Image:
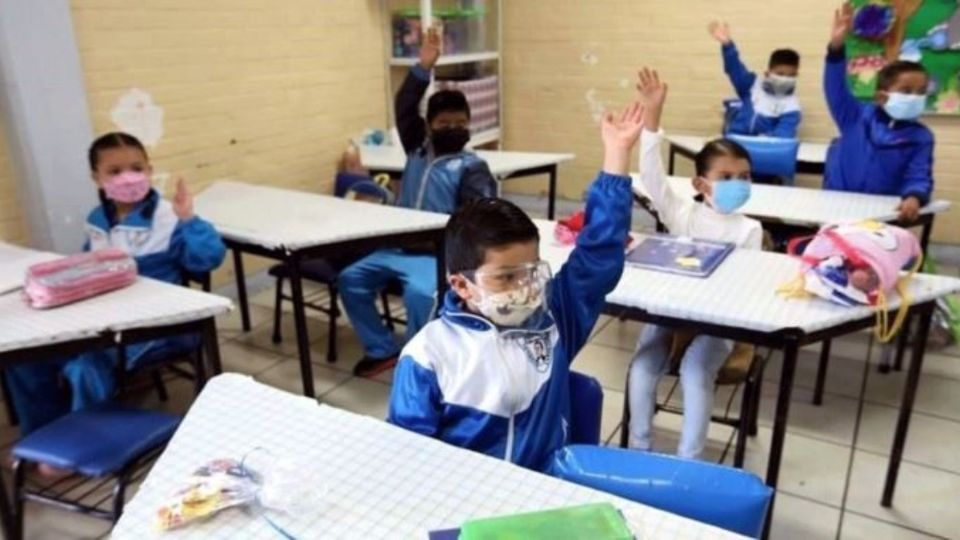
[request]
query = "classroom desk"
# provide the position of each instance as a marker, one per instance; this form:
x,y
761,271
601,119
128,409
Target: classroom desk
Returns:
x,y
146,310
811,156
292,226
14,261
503,165
738,301
376,480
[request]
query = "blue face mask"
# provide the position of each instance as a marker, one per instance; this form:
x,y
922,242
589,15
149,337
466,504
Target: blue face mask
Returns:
x,y
730,195
905,106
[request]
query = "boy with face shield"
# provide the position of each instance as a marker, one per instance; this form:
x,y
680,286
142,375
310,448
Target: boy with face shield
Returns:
x,y
492,374
439,176
769,104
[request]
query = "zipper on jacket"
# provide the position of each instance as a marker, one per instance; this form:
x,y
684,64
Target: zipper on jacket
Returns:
x,y
426,178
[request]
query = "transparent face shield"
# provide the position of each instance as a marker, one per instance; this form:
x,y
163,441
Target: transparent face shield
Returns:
x,y
510,296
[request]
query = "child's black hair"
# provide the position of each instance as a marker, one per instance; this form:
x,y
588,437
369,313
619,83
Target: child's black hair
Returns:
x,y
116,139
717,148
447,101
784,57
892,71
483,224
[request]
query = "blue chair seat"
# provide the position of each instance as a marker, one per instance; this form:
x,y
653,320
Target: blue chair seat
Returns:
x,y
97,442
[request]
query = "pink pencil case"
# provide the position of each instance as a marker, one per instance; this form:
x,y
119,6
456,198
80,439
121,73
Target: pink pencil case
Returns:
x,y
76,277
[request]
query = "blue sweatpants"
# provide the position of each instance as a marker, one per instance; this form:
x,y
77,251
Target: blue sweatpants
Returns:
x,y
360,285
40,396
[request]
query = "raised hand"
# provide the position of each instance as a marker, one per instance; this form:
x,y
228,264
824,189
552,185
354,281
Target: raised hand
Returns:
x,y
842,20
652,95
908,210
430,48
619,135
183,201
720,31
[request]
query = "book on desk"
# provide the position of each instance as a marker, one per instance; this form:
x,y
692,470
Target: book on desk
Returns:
x,y
679,255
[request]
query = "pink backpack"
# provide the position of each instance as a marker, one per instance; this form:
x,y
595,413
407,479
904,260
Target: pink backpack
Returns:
x,y
76,277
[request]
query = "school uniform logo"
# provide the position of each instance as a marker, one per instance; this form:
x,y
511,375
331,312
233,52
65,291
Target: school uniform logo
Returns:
x,y
538,351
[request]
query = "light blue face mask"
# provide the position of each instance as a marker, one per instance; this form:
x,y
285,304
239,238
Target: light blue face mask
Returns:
x,y
905,106
730,195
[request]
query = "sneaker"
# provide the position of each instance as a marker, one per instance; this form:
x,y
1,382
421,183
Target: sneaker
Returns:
x,y
371,367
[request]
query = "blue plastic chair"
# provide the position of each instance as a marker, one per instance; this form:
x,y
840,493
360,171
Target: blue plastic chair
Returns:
x,y
586,397
771,156
722,496
731,107
103,442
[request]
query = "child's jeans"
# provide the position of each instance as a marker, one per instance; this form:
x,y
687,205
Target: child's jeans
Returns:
x,y
698,373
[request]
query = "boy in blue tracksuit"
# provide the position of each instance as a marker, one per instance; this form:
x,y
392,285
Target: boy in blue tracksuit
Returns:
x,y
439,177
166,240
882,147
769,106
492,373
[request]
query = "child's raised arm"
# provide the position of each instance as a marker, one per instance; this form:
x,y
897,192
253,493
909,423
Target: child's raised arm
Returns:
x,y
844,108
740,77
653,95
412,128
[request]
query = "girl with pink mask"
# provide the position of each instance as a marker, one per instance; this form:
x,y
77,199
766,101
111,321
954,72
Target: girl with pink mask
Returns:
x,y
167,241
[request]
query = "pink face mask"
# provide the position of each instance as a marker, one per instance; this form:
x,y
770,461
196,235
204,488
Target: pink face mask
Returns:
x,y
127,187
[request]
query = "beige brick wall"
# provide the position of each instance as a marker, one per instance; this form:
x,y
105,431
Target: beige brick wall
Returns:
x,y
549,72
12,223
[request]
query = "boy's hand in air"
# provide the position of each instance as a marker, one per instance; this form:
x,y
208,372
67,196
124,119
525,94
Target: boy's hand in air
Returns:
x,y
619,135
908,210
430,49
652,95
842,20
720,31
183,201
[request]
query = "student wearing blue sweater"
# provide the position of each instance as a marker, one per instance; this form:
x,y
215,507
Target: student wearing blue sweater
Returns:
x,y
882,147
769,105
492,374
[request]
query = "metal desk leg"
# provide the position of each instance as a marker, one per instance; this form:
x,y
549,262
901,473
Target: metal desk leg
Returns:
x,y
441,272
925,233
822,372
300,320
790,350
241,289
672,157
7,523
211,346
906,406
552,202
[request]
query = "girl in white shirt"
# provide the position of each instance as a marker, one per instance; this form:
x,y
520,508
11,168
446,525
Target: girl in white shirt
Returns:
x,y
723,185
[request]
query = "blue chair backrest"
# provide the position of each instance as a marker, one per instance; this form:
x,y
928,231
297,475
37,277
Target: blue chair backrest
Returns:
x,y
731,107
771,156
586,409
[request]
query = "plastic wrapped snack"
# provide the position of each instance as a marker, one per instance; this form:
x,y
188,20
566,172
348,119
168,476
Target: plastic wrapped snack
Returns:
x,y
76,277
220,484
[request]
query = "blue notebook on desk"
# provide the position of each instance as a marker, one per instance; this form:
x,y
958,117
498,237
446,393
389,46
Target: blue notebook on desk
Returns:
x,y
679,255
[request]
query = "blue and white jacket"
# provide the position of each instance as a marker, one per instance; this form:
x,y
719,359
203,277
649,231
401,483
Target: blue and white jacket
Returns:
x,y
761,113
154,236
874,153
505,392
430,182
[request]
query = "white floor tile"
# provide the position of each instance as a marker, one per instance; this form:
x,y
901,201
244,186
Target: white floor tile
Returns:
x,y
930,441
857,527
795,518
286,375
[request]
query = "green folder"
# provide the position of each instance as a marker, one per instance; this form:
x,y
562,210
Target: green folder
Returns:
x,y
588,522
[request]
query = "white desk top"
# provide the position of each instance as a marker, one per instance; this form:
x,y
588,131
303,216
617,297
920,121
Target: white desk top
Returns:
x,y
809,152
806,206
740,293
274,217
144,304
379,481
14,261
392,158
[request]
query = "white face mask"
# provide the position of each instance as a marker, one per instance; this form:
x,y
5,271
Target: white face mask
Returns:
x,y
523,297
779,85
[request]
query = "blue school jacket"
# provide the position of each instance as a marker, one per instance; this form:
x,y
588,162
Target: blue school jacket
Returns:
x,y
762,113
154,236
874,153
505,392
430,182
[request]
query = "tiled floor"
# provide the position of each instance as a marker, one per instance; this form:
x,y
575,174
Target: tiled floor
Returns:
x,y
835,455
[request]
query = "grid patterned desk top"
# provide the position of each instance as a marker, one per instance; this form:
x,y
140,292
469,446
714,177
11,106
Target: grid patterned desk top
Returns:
x,y
379,481
740,293
806,206
274,217
809,152
144,304
501,163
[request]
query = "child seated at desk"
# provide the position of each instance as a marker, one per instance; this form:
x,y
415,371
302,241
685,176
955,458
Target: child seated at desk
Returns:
x,y
882,147
439,176
492,374
723,184
769,106
166,240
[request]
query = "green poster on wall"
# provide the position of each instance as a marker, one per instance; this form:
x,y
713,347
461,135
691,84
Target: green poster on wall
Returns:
x,y
925,31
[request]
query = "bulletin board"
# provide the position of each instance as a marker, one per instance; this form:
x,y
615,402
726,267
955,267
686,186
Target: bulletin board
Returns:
x,y
924,31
